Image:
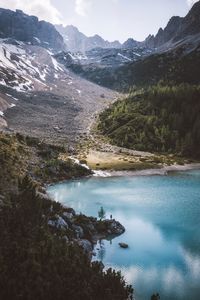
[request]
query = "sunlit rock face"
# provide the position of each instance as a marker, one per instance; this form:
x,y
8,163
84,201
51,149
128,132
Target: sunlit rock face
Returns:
x,y
77,41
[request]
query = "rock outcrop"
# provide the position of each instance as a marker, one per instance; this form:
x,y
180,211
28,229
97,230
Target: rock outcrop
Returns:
x,y
83,230
177,29
19,26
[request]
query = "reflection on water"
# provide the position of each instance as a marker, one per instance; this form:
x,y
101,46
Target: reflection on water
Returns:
x,y
161,217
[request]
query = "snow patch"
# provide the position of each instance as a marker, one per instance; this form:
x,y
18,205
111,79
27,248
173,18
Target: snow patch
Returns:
x,y
56,65
101,174
12,105
2,81
137,54
38,40
123,56
76,161
78,91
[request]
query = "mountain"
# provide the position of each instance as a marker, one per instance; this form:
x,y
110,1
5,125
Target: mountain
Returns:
x,y
177,29
77,41
19,26
177,58
101,57
130,44
41,75
161,118
41,97
176,66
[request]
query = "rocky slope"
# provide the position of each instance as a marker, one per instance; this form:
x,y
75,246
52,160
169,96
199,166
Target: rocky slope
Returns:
x,y
42,97
103,57
30,159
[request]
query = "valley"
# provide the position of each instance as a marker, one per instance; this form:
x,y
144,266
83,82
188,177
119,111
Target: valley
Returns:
x,y
107,129
51,102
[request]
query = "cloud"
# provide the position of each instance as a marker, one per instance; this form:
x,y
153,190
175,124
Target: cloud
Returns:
x,y
82,7
191,2
43,9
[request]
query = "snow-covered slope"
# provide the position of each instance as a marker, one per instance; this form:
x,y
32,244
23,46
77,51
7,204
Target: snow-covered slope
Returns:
x,y
109,57
39,96
23,67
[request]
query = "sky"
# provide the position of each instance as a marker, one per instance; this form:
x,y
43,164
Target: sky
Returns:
x,y
111,19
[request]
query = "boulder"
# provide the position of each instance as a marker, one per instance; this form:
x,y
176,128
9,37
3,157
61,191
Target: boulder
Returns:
x,y
43,196
59,223
79,231
66,238
86,245
2,199
114,227
123,245
68,215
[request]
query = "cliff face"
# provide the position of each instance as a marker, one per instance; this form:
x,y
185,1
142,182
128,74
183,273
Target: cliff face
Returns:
x,y
22,27
177,29
190,25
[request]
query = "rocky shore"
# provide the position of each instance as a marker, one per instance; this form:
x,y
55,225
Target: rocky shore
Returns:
x,y
81,229
165,170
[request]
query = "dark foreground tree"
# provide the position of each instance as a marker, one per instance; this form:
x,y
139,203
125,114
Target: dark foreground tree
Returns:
x,y
38,264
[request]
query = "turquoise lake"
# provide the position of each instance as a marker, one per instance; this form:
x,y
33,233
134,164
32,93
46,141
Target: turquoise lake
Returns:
x,y
161,215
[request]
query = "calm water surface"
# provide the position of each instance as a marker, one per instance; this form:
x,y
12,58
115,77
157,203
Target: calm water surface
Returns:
x,y
161,215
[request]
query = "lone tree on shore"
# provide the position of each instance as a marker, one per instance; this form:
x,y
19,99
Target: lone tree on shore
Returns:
x,y
101,213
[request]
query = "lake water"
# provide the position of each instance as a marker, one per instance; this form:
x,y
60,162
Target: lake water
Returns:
x,y
161,215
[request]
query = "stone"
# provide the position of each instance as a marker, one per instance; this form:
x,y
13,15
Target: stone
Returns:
x,y
86,245
79,231
115,227
70,210
43,196
123,245
59,223
66,238
68,215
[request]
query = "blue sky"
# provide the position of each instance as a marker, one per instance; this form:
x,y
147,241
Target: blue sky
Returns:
x,y
112,19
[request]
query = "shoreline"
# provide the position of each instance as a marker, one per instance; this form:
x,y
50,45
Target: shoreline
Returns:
x,y
148,172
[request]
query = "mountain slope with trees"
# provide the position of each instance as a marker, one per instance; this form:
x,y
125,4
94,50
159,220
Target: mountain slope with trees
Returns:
x,y
158,119
42,250
38,263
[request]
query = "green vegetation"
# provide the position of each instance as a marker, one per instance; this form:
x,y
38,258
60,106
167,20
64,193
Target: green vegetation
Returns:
x,y
39,259
174,66
20,155
160,118
177,66
101,213
36,262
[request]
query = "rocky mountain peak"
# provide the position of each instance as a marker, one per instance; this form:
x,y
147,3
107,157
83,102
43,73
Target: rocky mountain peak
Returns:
x,y
77,41
22,27
130,44
177,28
191,23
